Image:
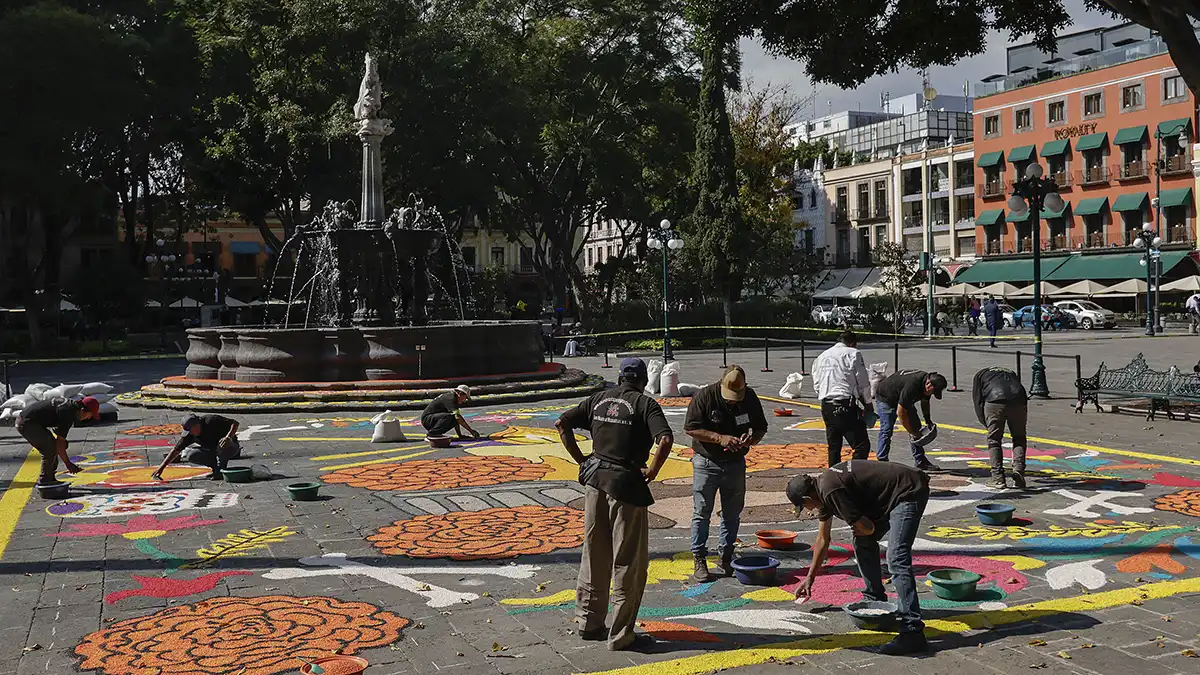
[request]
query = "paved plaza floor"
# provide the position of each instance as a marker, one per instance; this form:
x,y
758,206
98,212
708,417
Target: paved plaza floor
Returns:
x,y
464,559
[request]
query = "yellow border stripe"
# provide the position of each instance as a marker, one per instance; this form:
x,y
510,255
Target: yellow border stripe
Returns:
x,y
310,439
376,461
1037,439
351,455
17,496
715,661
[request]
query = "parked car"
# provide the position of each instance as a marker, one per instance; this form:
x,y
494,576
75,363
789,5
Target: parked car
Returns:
x,y
822,314
1025,314
1007,311
1088,314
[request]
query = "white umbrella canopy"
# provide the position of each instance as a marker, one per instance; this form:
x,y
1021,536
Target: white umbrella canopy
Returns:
x,y
67,306
956,290
184,303
153,303
1000,289
1127,287
865,292
1085,287
1189,284
839,292
1047,289
231,301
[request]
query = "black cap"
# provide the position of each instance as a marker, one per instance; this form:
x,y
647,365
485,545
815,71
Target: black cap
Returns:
x,y
798,487
189,421
634,369
939,384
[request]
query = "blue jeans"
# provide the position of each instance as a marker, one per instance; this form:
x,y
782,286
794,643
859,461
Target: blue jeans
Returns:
x,y
709,477
903,523
887,425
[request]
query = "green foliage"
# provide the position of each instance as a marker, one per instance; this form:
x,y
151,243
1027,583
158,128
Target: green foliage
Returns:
x,y
104,291
897,279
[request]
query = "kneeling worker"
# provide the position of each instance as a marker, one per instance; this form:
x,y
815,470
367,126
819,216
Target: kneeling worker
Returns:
x,y
216,440
45,425
876,499
1001,399
442,414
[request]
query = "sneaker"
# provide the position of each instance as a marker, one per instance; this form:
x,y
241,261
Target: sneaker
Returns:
x,y
598,635
1019,480
905,643
638,642
928,466
998,483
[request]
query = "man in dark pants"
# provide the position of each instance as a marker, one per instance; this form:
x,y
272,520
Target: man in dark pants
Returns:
x,y
875,499
442,414
896,399
1001,399
45,424
216,440
844,390
724,420
994,317
625,423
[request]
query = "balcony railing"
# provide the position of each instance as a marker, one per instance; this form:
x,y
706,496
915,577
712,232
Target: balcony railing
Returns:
x,y
1062,178
1094,175
881,212
1134,171
1058,242
990,247
993,188
1176,165
1177,234
840,215
862,213
1025,245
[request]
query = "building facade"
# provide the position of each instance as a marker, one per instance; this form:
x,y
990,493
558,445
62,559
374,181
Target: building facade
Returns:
x,y
936,209
860,205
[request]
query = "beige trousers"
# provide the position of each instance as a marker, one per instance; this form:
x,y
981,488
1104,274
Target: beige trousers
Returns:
x,y
616,540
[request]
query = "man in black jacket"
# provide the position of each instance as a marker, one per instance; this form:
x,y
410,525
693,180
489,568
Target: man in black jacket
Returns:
x,y
993,316
45,425
1001,399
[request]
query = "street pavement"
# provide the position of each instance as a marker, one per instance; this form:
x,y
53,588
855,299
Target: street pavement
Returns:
x,y
464,559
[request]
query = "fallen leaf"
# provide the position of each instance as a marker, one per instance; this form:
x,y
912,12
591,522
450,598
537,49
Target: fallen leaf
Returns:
x,y
1013,580
1064,655
1190,653
395,646
1166,618
1139,580
1161,645
489,620
539,588
1037,643
419,626
1087,645
458,653
497,647
445,613
32,648
1037,666
423,587
1160,637
486,594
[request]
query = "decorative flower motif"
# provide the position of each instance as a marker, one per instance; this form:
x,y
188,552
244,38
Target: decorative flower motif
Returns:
x,y
171,587
155,430
790,456
250,636
142,527
440,474
1186,502
484,535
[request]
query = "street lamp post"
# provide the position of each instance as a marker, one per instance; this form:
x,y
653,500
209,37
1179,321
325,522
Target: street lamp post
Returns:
x,y
1033,192
164,261
1149,240
1179,131
665,238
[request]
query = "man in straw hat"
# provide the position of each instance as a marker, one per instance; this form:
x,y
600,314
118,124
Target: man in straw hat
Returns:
x,y
442,413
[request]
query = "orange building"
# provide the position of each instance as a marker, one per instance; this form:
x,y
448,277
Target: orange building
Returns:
x,y
1114,126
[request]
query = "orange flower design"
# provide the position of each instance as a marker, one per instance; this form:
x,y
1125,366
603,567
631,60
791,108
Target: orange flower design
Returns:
x,y
440,474
489,534
251,636
790,456
1186,502
155,430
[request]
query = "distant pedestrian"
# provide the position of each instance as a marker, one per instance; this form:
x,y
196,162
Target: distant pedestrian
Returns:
x,y
946,323
1001,399
973,318
896,400
993,316
1193,312
844,390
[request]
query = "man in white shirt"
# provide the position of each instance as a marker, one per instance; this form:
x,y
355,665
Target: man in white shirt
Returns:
x,y
1193,312
840,377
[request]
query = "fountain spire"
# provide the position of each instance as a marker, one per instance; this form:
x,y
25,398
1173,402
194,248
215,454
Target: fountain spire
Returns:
x,y
371,129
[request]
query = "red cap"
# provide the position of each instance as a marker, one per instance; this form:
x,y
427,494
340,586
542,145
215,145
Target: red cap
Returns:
x,y
90,404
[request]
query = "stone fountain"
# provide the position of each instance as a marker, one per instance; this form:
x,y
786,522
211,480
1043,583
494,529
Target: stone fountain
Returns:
x,y
364,340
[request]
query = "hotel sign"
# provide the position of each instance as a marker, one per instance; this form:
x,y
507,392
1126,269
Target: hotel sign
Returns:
x,y
1075,131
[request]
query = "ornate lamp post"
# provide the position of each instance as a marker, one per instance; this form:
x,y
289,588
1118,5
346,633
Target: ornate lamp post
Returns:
x,y
664,238
1033,192
165,262
1149,240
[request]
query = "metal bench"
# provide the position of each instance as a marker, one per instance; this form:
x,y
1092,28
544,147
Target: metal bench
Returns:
x,y
1137,380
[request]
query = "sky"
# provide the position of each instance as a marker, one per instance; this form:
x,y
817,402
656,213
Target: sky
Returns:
x,y
764,69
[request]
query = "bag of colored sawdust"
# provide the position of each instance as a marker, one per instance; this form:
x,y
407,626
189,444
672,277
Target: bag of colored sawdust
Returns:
x,y
387,428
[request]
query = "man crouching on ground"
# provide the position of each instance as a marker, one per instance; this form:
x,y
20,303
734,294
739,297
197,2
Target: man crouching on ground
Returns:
x,y
874,498
624,423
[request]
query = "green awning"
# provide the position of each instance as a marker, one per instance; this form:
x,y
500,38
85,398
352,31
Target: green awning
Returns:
x,y
1110,266
1131,135
1091,207
990,159
1014,218
1177,197
1091,141
1046,213
990,217
1174,127
1135,201
1021,154
1013,271
1056,148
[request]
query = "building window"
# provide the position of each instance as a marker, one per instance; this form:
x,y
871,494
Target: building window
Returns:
x,y
1093,104
610,252
589,257
1133,97
812,197
245,265
468,256
1094,231
991,126
843,200
1133,164
1176,224
798,201
498,256
864,200
1056,112
828,123
992,181
1174,88
1023,119
1094,170
1057,168
881,209
526,254
880,234
808,241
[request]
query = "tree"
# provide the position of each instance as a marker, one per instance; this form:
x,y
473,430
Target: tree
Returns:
x,y
897,280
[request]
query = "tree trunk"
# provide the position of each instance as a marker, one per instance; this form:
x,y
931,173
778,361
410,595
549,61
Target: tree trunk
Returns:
x,y
727,306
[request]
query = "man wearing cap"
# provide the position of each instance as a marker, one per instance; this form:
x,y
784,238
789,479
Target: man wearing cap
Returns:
x,y
1000,399
442,414
840,376
724,419
896,398
875,499
625,424
215,438
45,425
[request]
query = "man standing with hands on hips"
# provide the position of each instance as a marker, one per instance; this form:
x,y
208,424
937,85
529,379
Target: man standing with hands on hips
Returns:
x,y
840,377
724,420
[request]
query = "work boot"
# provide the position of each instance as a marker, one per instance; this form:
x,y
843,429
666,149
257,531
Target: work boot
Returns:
x,y
928,466
905,643
726,569
998,483
1019,479
701,574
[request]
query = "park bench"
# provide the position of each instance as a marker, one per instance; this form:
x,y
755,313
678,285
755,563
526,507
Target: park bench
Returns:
x,y
1137,380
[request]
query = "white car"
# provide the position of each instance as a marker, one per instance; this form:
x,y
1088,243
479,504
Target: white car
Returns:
x,y
822,314
1088,314
1006,311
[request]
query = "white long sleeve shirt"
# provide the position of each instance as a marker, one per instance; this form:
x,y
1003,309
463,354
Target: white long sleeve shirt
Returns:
x,y
840,373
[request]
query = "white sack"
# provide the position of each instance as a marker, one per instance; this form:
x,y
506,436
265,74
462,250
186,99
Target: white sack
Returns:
x,y
686,389
93,388
669,379
387,428
18,402
37,390
64,391
792,387
876,372
654,370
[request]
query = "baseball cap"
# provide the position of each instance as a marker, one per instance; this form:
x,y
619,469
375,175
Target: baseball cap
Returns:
x,y
798,487
939,384
190,421
464,390
90,404
633,368
734,376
